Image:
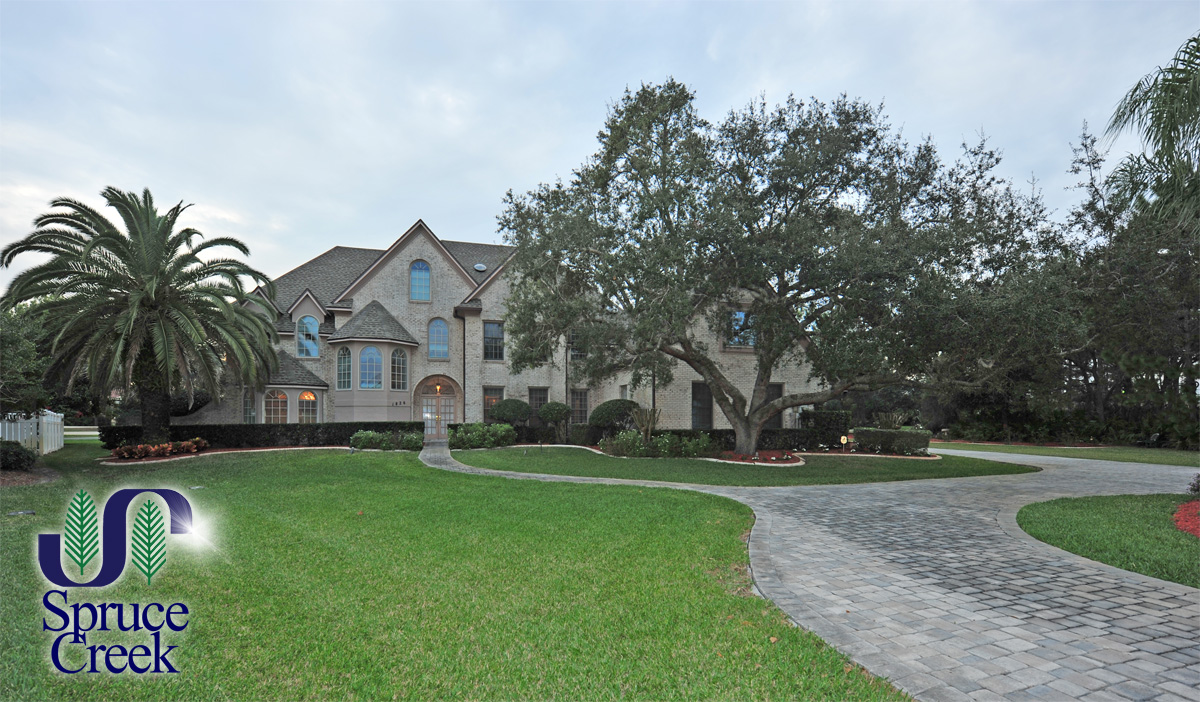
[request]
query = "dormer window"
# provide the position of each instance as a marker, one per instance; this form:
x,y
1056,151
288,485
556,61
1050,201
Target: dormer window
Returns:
x,y
418,281
306,337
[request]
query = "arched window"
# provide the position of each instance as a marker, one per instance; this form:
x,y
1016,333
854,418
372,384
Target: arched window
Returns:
x,y
306,337
439,339
275,407
399,370
308,407
418,281
370,369
343,369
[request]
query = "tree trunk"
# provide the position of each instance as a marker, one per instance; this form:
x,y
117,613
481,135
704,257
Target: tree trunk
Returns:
x,y
155,395
745,435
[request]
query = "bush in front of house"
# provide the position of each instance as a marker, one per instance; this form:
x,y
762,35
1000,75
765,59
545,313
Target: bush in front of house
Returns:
x,y
14,456
556,414
1194,488
900,442
613,416
261,435
479,435
629,443
385,441
170,448
511,411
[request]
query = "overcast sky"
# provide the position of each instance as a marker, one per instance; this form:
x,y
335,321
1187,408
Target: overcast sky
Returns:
x,y
300,126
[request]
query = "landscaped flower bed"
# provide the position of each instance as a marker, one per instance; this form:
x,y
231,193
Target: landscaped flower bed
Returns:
x,y
138,452
1187,518
772,457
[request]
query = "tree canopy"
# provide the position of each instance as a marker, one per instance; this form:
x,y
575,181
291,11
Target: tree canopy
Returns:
x,y
811,232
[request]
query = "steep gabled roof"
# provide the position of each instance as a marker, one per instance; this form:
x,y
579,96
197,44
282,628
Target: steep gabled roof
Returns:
x,y
376,323
325,276
293,372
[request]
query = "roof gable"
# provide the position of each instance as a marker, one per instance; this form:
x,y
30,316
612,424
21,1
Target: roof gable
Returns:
x,y
324,277
375,323
416,229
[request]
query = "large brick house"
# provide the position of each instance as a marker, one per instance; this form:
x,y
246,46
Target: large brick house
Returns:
x,y
416,332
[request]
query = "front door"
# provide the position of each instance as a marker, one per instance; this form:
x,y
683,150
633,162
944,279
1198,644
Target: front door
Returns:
x,y
437,411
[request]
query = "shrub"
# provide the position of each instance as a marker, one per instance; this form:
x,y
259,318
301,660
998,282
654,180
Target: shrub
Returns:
x,y
827,427
556,414
261,435
14,456
580,436
371,440
411,441
511,411
645,419
1194,488
613,416
624,443
478,435
697,446
665,445
894,441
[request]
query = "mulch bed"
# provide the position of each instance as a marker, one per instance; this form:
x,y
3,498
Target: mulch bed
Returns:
x,y
1187,518
774,458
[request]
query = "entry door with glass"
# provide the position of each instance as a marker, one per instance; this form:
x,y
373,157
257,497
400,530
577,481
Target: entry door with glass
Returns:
x,y
437,411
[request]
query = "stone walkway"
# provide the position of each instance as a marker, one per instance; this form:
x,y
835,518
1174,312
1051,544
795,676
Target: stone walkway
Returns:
x,y
932,584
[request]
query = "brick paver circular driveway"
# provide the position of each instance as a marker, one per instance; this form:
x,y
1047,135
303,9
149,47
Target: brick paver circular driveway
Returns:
x,y
931,584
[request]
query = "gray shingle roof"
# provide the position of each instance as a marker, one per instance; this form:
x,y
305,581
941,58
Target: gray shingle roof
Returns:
x,y
373,322
285,325
469,253
326,276
329,274
293,372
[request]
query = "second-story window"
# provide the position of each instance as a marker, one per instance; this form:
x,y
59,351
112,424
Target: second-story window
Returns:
x,y
493,341
306,337
439,339
370,369
742,336
418,281
578,352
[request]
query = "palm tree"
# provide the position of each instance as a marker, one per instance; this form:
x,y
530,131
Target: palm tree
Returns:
x,y
1164,108
142,309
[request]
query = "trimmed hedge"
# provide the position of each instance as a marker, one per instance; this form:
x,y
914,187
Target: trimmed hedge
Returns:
x,y
828,426
895,441
480,435
262,435
613,415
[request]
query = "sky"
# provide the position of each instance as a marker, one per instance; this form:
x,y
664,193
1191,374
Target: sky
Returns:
x,y
300,126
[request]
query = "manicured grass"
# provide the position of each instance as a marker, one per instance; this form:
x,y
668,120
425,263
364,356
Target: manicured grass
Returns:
x,y
1127,454
1134,532
447,585
818,470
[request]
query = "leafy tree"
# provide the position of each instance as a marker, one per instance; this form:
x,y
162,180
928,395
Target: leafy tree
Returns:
x,y
141,308
812,232
21,362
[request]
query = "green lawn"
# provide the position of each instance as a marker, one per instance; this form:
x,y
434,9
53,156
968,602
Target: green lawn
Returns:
x,y
1134,532
1128,454
819,470
447,585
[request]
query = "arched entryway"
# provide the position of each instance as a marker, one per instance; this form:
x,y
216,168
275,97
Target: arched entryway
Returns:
x,y
438,399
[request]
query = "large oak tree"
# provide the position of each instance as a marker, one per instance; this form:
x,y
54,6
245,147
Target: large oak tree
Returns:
x,y
834,241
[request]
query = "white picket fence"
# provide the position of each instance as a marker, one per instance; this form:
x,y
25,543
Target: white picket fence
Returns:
x,y
43,432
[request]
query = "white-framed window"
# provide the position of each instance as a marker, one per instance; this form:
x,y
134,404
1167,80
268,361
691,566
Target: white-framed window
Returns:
x,y
439,339
343,369
493,341
275,407
418,281
307,408
399,369
578,353
248,408
306,337
370,369
579,406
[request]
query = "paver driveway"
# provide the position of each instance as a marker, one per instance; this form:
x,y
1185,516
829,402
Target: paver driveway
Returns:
x,y
932,584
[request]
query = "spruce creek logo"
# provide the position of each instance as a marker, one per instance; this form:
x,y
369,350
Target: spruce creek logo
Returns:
x,y
81,542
